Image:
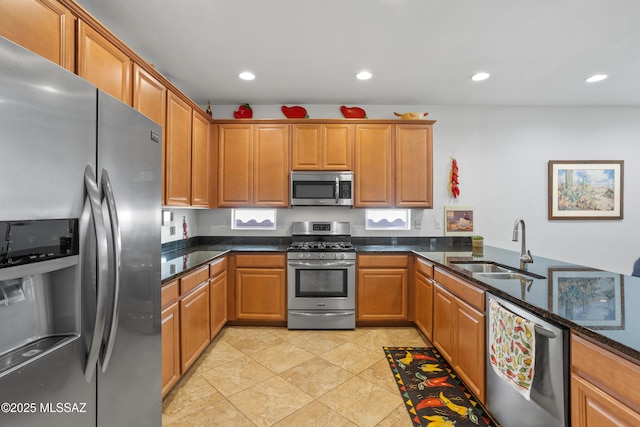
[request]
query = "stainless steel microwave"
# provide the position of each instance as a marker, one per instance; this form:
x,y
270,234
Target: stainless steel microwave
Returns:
x,y
322,188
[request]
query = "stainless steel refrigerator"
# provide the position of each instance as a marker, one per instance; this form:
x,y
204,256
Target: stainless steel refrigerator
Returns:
x,y
80,197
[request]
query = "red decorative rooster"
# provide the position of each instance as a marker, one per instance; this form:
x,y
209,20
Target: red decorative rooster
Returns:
x,y
454,189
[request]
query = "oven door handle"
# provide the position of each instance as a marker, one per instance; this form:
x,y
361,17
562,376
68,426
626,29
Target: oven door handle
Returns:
x,y
322,264
324,313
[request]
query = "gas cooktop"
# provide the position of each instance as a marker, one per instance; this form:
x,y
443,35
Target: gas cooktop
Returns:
x,y
318,246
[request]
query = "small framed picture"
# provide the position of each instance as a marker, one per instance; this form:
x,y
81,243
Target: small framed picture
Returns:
x,y
587,189
458,221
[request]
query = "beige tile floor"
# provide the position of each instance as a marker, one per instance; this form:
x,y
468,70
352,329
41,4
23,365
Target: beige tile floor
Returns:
x,y
261,376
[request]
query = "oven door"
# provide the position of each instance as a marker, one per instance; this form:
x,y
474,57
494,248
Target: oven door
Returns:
x,y
321,285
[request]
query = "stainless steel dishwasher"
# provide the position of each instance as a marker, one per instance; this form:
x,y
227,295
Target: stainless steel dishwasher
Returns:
x,y
549,404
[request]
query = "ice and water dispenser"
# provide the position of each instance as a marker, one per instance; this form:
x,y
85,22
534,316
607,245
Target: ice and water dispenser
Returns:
x,y
39,289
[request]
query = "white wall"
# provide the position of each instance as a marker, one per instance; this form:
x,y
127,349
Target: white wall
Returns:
x,y
503,154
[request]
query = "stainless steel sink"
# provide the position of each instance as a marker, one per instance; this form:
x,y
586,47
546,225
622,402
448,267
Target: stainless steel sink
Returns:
x,y
506,276
492,270
481,267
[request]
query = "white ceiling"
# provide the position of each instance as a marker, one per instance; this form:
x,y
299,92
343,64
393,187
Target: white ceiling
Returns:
x,y
421,52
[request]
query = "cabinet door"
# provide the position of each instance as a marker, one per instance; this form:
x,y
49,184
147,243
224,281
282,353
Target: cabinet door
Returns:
x,y
414,166
306,147
424,305
373,166
337,146
103,64
469,360
235,165
591,407
271,165
443,322
194,324
150,98
218,289
200,161
381,294
260,294
170,347
45,27
178,155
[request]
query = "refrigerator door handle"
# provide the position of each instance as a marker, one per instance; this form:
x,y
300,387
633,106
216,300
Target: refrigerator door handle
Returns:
x,y
93,194
117,254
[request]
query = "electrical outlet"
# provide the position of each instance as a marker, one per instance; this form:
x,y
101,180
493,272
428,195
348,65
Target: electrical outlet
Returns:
x,y
438,224
417,224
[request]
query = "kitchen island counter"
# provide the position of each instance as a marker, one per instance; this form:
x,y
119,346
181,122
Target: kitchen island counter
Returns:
x,y
606,315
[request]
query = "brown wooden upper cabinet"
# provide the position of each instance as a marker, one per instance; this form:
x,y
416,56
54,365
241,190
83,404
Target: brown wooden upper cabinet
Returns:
x,y
178,152
103,64
253,165
372,172
393,165
45,27
201,157
322,146
414,166
150,98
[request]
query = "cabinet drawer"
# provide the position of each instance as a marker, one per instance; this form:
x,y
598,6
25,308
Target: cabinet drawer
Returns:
x,y
463,290
424,267
217,267
260,260
193,279
609,372
169,293
382,261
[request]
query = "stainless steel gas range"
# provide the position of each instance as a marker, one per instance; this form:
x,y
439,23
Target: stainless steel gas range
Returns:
x,y
321,276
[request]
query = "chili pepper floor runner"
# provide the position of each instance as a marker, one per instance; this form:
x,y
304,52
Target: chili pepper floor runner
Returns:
x,y
432,391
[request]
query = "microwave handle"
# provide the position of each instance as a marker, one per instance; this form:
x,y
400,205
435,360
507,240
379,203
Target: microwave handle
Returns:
x,y
337,190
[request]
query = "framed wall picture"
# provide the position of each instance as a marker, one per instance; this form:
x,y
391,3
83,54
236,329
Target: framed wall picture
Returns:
x,y
591,298
586,189
458,221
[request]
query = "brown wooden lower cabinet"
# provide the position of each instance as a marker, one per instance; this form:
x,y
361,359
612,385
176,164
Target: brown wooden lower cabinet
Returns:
x,y
194,310
605,388
218,291
170,346
260,294
423,309
194,324
459,328
382,288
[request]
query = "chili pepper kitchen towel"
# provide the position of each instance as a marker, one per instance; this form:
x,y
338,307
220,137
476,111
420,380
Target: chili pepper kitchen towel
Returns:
x,y
512,347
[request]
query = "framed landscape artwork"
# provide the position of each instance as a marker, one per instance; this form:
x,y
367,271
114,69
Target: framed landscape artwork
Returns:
x,y
587,189
458,221
591,298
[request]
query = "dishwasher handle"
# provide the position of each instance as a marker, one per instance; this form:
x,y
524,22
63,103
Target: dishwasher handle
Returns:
x,y
545,332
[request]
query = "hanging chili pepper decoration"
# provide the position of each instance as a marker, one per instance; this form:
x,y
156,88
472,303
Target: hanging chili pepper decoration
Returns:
x,y
185,233
454,189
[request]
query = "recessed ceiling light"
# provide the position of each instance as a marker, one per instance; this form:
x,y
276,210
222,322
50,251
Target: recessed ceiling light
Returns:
x,y
596,78
364,75
246,75
478,77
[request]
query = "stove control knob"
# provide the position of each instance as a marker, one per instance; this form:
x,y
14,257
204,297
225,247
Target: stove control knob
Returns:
x,y
300,255
322,256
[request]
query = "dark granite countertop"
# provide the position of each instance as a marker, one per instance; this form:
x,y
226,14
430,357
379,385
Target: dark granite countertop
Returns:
x,y
602,310
605,313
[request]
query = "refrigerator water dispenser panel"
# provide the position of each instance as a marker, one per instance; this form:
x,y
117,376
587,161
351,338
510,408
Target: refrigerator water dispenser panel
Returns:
x,y
25,242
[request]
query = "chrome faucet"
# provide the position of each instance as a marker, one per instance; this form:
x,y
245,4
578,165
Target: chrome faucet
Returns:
x,y
525,255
